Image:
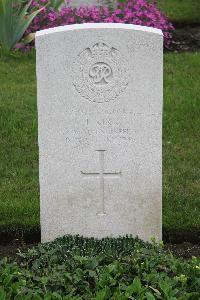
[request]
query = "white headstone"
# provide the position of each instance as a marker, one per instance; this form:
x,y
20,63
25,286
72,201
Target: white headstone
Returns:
x,y
78,3
100,130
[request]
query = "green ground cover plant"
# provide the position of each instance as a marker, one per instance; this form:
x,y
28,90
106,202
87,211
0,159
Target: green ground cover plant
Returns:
x,y
181,11
73,267
19,187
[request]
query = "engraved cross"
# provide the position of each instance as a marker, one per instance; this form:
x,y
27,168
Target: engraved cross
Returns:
x,y
102,175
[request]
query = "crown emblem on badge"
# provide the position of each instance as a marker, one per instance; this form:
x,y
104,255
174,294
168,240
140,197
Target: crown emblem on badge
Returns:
x,y
100,72
100,48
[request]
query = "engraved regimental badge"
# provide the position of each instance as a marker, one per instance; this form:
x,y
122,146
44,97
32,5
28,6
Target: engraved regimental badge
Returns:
x,y
100,73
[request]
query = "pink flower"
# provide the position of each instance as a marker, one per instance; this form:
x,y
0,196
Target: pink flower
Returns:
x,y
140,12
51,16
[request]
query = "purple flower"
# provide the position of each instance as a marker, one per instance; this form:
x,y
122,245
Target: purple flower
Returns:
x,y
139,12
52,16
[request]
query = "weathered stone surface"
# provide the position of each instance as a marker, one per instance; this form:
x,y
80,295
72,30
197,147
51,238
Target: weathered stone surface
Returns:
x,y
100,130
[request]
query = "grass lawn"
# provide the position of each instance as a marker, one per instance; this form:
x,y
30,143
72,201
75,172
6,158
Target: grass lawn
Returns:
x,y
181,142
19,193
186,11
19,197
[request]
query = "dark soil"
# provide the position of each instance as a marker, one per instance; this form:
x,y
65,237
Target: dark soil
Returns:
x,y
10,250
186,38
185,250
182,243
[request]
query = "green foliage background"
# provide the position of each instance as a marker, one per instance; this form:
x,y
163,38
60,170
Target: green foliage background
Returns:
x,y
181,11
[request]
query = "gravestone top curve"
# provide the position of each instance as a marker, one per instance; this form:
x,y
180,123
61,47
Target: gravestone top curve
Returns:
x,y
98,26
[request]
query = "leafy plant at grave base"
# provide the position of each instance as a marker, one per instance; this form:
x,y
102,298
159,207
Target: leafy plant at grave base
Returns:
x,y
73,267
14,20
139,12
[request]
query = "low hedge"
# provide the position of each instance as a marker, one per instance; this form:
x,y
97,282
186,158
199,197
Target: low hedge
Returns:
x,y
73,267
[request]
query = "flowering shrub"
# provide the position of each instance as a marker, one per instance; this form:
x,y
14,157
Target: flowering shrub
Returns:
x,y
138,12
